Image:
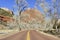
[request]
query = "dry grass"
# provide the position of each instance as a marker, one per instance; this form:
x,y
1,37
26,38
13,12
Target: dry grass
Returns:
x,y
6,33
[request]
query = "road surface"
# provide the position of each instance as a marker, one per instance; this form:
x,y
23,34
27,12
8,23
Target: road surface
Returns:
x,y
29,35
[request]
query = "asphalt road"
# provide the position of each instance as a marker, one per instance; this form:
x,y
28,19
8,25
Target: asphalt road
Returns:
x,y
34,35
29,35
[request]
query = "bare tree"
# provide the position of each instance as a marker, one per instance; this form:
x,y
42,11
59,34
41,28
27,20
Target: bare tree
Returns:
x,y
21,5
51,9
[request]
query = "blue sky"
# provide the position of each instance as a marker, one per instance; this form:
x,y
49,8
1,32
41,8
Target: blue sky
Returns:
x,y
7,4
10,3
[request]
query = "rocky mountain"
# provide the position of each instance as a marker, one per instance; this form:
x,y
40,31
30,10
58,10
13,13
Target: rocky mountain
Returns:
x,y
5,15
31,15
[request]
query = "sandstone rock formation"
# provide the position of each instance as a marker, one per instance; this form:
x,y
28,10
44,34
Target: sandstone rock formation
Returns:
x,y
31,15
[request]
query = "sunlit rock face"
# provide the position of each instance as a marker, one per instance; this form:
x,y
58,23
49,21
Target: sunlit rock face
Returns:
x,y
31,15
5,14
